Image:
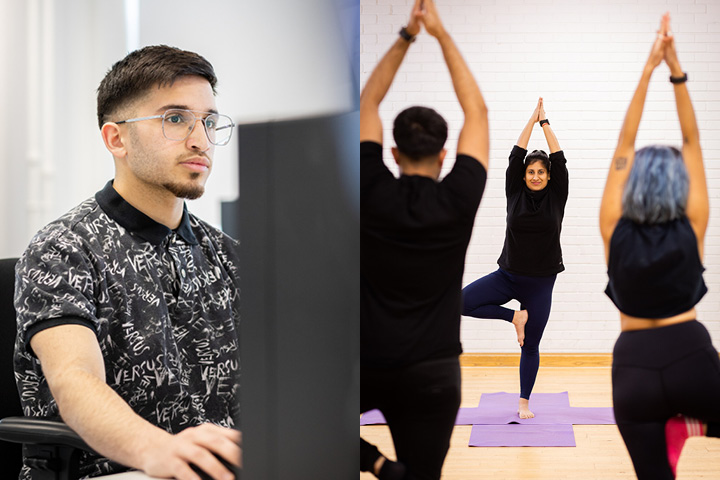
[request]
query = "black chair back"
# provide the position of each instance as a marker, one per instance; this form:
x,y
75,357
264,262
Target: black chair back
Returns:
x,y
10,453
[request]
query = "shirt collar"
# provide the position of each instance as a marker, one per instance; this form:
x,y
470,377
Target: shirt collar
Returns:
x,y
136,222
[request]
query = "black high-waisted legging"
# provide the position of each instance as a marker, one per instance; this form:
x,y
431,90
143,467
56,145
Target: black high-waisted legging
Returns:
x,y
657,374
483,299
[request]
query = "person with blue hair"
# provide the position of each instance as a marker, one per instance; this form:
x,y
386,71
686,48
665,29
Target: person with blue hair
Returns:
x,y
531,257
653,218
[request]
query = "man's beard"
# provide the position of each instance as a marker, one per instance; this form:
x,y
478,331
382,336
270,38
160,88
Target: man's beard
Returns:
x,y
190,192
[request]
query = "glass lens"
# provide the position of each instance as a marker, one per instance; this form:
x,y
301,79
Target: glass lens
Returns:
x,y
177,124
219,128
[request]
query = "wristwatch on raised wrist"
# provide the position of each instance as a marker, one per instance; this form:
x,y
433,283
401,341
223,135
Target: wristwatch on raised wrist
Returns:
x,y
406,35
677,80
544,121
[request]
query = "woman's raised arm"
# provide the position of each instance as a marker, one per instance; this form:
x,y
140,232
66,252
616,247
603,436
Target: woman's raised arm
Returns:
x,y
524,137
611,206
698,208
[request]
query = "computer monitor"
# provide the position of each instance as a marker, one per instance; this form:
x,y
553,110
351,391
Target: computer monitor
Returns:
x,y
298,224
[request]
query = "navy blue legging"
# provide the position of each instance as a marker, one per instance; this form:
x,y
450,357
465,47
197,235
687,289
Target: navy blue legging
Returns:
x,y
483,299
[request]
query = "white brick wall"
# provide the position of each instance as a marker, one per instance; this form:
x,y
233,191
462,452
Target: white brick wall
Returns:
x,y
584,58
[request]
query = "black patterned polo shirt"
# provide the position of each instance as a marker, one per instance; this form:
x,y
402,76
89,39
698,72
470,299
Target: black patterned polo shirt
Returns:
x,y
162,303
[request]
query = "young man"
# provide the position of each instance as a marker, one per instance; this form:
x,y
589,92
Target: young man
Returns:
x,y
127,305
414,235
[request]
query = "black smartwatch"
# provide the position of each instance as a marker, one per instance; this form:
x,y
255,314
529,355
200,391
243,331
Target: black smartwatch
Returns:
x,y
406,35
677,80
544,121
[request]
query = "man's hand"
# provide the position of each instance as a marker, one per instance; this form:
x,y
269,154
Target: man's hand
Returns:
x,y
413,26
171,456
75,370
430,18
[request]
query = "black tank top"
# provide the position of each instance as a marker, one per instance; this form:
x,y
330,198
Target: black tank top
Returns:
x,y
654,271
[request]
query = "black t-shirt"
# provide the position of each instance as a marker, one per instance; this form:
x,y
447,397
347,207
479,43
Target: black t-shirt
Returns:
x,y
534,219
654,271
414,233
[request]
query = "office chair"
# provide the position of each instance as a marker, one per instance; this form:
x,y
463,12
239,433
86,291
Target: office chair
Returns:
x,y
52,448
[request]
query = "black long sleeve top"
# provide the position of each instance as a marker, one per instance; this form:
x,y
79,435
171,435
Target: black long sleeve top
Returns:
x,y
534,219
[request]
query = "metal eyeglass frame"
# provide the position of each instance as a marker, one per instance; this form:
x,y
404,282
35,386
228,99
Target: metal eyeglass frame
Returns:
x,y
191,112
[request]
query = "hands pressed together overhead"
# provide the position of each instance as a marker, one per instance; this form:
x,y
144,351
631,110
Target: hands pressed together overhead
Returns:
x,y
424,13
664,47
539,112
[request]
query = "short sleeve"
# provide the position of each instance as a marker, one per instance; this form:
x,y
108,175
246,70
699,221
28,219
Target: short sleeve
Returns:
x,y
54,283
372,168
465,184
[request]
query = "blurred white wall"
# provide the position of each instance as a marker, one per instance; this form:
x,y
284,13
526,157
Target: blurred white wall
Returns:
x,y
585,59
274,60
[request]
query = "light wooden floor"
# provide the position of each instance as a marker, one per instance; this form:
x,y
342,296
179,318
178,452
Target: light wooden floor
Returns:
x,y
600,452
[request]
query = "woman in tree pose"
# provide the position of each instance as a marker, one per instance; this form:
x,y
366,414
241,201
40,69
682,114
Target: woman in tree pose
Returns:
x,y
653,218
531,257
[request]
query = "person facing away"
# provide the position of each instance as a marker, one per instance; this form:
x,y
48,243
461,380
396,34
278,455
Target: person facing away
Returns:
x,y
414,234
127,305
653,219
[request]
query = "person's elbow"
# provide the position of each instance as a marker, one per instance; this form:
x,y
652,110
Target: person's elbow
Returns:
x,y
369,101
477,112
691,138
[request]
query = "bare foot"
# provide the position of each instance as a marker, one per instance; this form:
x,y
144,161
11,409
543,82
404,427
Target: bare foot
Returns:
x,y
524,409
520,318
389,470
378,465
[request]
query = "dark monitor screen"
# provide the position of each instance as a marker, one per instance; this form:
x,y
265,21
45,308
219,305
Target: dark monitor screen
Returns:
x,y
298,225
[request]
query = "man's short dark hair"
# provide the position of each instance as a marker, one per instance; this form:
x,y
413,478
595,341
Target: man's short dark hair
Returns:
x,y
419,132
157,65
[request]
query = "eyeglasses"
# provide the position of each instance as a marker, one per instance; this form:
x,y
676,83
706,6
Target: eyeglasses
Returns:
x,y
178,123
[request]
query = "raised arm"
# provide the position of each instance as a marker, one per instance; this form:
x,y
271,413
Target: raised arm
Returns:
x,y
524,137
380,80
474,135
73,365
698,208
552,140
611,206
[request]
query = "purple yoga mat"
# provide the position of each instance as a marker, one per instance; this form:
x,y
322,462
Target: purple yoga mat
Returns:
x,y
549,409
522,436
501,409
372,417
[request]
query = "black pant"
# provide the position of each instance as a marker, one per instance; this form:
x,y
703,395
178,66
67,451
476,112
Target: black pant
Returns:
x,y
657,374
420,403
